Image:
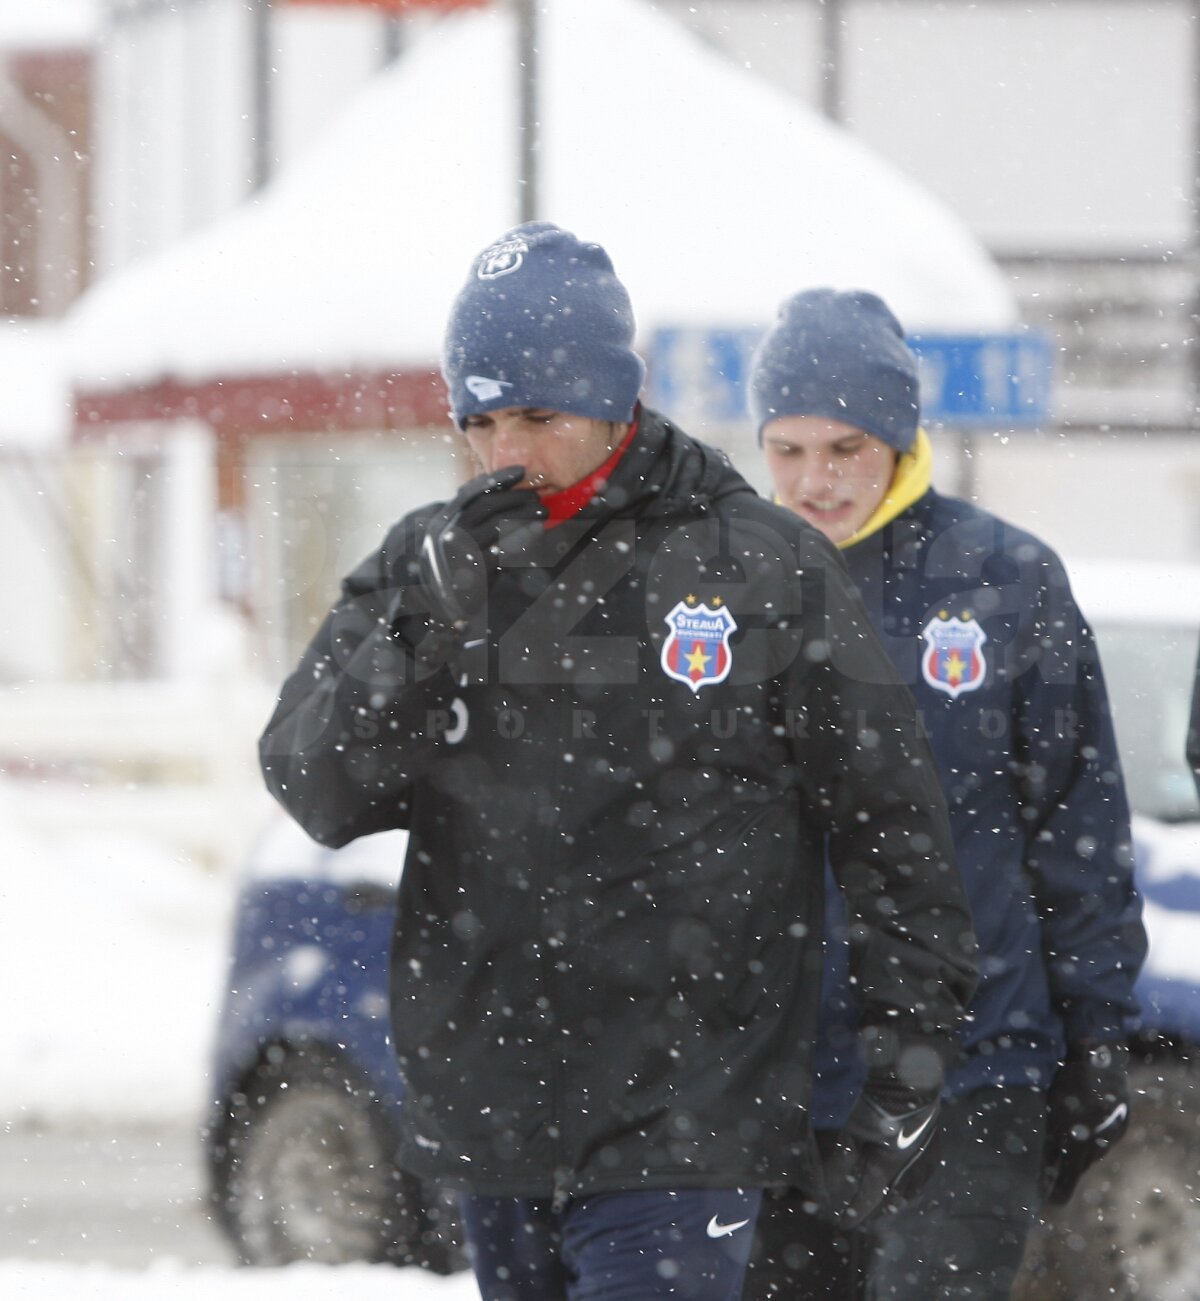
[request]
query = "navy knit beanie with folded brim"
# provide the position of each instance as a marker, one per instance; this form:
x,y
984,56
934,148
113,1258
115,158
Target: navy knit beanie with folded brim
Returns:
x,y
841,355
542,321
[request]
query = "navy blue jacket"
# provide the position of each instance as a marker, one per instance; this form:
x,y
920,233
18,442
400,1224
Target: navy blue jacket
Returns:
x,y
979,619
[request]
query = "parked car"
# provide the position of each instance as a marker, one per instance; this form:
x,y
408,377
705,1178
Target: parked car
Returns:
x,y
301,1142
1133,1227
301,1139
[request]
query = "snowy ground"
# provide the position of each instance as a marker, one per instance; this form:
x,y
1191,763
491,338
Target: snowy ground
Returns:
x,y
112,963
167,1282
112,960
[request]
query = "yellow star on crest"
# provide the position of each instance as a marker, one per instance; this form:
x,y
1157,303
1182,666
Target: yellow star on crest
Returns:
x,y
697,659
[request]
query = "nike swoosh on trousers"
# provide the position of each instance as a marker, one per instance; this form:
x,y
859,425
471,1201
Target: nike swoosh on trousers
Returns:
x,y
716,1230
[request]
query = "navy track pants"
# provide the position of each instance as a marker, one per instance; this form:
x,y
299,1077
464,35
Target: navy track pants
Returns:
x,y
691,1244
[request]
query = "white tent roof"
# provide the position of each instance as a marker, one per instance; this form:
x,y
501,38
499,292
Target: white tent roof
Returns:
x,y
48,24
716,195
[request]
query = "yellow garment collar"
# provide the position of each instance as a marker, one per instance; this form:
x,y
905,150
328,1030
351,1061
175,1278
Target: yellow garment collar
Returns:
x,y
910,481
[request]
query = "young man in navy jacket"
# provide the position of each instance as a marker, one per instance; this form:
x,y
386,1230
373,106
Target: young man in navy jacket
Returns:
x,y
625,708
979,620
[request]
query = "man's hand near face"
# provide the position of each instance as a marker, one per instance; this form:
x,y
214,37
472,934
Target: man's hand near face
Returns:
x,y
465,533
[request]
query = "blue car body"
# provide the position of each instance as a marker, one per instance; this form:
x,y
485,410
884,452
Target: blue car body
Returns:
x,y
309,964
1168,870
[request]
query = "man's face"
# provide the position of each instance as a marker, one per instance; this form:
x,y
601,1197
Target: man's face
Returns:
x,y
830,473
556,449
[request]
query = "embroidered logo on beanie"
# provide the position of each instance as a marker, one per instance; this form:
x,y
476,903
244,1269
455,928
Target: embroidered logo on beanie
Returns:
x,y
559,335
501,259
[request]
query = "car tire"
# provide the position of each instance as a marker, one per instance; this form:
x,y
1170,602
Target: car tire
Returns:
x,y
1131,1229
308,1174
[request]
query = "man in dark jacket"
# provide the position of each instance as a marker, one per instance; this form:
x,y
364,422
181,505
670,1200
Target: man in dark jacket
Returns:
x,y
625,709
978,618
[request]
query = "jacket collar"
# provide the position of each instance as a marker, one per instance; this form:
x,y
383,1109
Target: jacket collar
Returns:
x,y
664,472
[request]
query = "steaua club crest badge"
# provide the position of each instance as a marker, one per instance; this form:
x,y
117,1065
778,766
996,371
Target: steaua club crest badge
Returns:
x,y
953,661
697,651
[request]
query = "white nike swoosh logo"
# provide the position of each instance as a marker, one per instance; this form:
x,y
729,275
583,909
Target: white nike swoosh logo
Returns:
x,y
485,388
716,1230
1120,1111
905,1141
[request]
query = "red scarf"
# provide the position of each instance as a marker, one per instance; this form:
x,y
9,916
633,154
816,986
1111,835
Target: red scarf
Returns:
x,y
570,501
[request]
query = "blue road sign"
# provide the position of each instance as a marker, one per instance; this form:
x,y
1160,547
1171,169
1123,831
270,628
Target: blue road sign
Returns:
x,y
984,379
700,373
695,371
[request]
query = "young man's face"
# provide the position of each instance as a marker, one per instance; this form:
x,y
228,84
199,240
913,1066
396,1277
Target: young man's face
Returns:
x,y
556,449
830,473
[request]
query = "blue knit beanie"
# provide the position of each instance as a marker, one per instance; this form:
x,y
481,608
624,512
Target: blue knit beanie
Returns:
x,y
542,321
842,356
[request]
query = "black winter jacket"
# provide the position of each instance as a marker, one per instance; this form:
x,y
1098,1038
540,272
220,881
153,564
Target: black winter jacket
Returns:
x,y
606,965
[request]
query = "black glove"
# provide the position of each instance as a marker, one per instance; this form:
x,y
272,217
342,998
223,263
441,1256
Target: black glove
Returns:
x,y
885,1151
464,532
1087,1111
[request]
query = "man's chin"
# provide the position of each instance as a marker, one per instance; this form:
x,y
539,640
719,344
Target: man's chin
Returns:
x,y
834,530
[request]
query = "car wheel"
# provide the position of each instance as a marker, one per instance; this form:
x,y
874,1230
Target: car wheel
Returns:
x,y
1132,1226
309,1175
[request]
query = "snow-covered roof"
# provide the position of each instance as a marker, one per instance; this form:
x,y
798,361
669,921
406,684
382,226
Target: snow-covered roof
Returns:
x,y
48,25
716,194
